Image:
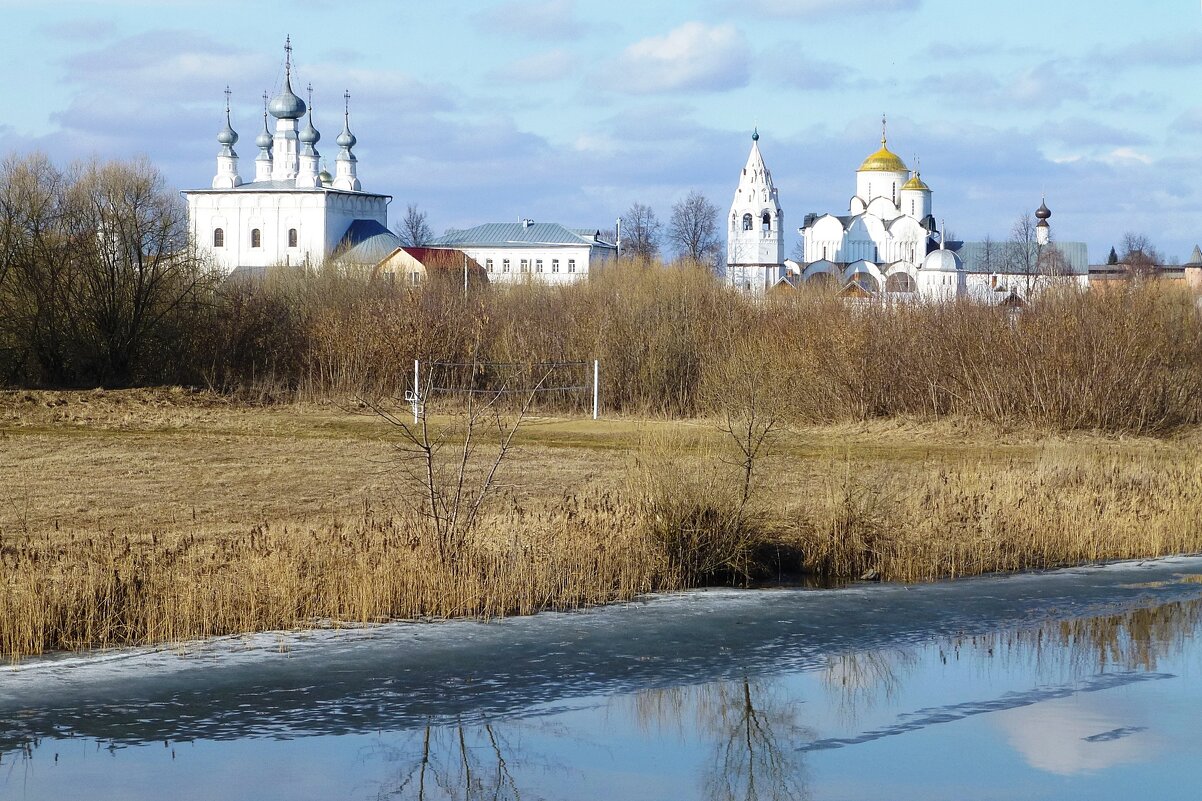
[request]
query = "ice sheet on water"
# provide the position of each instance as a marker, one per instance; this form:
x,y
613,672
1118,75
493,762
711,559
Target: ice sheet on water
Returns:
x,y
391,676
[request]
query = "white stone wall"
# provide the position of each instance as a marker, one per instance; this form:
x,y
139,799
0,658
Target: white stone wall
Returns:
x,y
321,218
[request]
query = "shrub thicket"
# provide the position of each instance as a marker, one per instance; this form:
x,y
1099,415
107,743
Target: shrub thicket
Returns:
x,y
131,306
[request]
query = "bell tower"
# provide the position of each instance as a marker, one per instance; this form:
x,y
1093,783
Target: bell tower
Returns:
x,y
755,249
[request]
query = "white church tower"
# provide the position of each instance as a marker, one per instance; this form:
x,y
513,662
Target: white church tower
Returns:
x,y
755,250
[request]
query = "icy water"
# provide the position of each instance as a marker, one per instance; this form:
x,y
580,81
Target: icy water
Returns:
x,y
1074,684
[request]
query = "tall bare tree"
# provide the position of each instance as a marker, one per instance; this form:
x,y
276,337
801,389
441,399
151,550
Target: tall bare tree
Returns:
x,y
413,229
1139,255
693,230
641,232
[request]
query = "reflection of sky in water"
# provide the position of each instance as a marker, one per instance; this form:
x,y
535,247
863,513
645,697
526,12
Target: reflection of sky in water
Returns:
x,y
1080,684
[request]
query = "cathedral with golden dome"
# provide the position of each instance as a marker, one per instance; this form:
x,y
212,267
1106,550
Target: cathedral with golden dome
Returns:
x,y
888,242
887,238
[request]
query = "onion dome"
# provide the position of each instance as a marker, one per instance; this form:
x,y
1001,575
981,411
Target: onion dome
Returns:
x,y
227,136
1043,212
309,135
264,140
286,105
884,160
755,135
346,139
325,177
916,184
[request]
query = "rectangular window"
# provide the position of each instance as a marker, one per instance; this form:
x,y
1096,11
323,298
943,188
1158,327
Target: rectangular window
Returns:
x,y
488,264
571,265
292,237
538,265
554,265
525,265
505,266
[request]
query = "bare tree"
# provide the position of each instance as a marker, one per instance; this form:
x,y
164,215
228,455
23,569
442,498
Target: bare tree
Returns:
x,y
990,257
413,229
138,265
1140,258
641,232
693,229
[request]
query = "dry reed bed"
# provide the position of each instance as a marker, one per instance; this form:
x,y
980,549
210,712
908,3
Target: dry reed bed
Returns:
x,y
676,525
967,519
76,591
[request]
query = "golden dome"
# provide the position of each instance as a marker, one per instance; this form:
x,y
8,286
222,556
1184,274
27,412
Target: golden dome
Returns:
x,y
916,183
884,160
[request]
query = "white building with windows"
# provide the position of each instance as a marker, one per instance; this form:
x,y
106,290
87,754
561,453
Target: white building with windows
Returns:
x,y
292,212
755,248
545,253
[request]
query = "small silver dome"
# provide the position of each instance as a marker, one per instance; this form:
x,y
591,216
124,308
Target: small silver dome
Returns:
x,y
228,136
265,139
346,139
309,136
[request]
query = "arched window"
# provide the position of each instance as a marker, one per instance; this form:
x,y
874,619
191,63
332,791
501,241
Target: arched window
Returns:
x,y
292,237
767,221
746,222
256,238
219,237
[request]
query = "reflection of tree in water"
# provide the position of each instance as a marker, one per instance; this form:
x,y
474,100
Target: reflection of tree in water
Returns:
x,y
754,729
454,763
1135,640
861,679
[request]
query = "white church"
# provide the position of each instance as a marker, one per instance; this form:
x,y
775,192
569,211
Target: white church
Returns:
x,y
888,244
291,212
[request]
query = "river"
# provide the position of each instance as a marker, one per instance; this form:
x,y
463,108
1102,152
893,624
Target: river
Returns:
x,y
1080,683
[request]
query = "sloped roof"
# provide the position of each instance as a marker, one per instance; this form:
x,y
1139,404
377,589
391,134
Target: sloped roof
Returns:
x,y
516,235
442,258
1075,255
367,242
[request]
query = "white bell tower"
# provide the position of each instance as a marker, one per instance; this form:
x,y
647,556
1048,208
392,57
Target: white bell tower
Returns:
x,y
755,249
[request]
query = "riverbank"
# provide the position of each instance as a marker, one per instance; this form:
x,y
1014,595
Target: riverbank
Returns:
x,y
163,515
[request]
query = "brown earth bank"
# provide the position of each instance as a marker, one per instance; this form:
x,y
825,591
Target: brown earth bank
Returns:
x,y
143,516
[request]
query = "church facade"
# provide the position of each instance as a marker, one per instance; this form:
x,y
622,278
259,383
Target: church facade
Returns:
x,y
292,212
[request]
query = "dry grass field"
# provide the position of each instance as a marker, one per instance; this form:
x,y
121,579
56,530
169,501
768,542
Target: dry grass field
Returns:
x,y
160,515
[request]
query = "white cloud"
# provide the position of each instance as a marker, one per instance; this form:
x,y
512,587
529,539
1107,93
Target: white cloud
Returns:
x,y
1070,736
693,56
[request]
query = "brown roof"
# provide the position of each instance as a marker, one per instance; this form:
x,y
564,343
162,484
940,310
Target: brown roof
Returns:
x,y
443,259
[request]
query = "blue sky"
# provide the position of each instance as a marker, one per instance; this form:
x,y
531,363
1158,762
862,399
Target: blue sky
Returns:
x,y
570,110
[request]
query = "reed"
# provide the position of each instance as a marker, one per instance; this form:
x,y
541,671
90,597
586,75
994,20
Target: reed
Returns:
x,y
949,520
75,590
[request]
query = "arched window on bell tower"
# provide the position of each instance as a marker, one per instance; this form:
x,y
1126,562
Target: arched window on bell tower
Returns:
x,y
767,222
219,237
746,222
